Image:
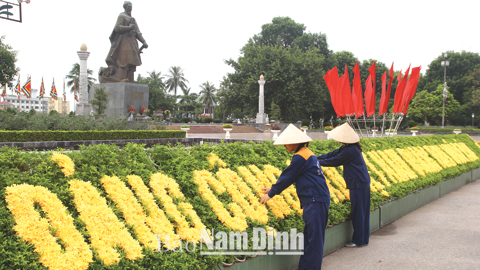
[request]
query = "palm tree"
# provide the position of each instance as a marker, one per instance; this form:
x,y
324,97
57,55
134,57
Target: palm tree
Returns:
x,y
175,79
188,100
207,95
74,76
155,80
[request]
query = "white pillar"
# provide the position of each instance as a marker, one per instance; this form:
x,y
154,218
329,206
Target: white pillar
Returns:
x,y
83,107
261,111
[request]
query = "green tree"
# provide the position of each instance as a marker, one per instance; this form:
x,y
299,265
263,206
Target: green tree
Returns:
x,y
207,95
100,100
285,32
293,63
294,81
175,79
158,99
74,75
472,89
188,102
8,58
428,106
461,64
274,112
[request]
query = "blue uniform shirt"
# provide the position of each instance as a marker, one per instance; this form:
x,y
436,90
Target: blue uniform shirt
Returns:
x,y
355,171
305,171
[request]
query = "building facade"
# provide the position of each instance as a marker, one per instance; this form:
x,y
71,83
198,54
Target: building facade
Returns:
x,y
26,104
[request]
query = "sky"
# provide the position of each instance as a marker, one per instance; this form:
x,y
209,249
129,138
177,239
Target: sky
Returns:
x,y
199,36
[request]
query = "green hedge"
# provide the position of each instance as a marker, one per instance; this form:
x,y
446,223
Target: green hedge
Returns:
x,y
38,136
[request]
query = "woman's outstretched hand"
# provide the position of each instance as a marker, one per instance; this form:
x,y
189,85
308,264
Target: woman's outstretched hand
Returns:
x,y
266,197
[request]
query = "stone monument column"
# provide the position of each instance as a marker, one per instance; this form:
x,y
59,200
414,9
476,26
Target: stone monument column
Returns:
x,y
83,107
261,112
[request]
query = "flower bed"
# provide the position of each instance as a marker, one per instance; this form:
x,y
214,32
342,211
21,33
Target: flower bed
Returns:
x,y
103,206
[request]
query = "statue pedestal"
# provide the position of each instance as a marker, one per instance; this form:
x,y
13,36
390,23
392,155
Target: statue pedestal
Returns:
x,y
83,109
261,118
122,95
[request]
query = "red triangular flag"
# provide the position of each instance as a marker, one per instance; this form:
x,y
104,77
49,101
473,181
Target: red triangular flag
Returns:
x,y
389,90
411,87
372,71
357,92
382,108
398,105
370,96
331,79
347,94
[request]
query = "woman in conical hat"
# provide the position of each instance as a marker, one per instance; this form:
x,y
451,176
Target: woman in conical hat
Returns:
x,y
312,190
356,177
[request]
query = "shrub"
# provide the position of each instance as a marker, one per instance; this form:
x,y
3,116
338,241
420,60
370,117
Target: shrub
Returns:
x,y
227,126
328,128
185,126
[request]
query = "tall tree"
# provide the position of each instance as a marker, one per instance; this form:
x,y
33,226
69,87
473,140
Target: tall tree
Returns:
x,y
293,63
175,79
188,101
207,95
461,64
74,76
157,96
8,70
428,107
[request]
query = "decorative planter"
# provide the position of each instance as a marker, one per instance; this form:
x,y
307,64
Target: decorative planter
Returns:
x,y
326,132
305,130
186,131
374,131
414,132
275,134
227,135
457,131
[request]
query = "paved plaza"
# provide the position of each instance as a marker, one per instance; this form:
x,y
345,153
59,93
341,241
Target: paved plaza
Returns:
x,y
444,234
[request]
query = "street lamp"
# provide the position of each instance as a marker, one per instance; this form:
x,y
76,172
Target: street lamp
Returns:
x,y
445,64
473,117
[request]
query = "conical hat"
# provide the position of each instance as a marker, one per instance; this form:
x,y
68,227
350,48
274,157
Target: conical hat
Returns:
x,y
292,135
344,134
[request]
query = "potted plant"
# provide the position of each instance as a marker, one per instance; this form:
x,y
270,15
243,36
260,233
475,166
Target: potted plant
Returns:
x,y
227,128
374,130
142,110
185,128
131,109
275,130
414,130
457,131
304,128
390,132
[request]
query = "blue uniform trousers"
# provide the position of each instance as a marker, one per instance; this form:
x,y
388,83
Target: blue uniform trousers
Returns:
x,y
360,199
315,216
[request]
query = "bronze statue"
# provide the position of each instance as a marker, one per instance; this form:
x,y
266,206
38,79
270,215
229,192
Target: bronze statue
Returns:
x,y
124,55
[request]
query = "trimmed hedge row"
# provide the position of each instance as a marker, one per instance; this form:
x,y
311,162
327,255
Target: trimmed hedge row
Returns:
x,y
77,135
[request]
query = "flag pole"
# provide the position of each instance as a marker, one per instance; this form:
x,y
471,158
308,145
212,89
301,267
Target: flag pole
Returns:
x,y
383,124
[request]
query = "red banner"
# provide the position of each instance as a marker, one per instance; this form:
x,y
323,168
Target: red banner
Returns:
x,y
357,92
411,87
